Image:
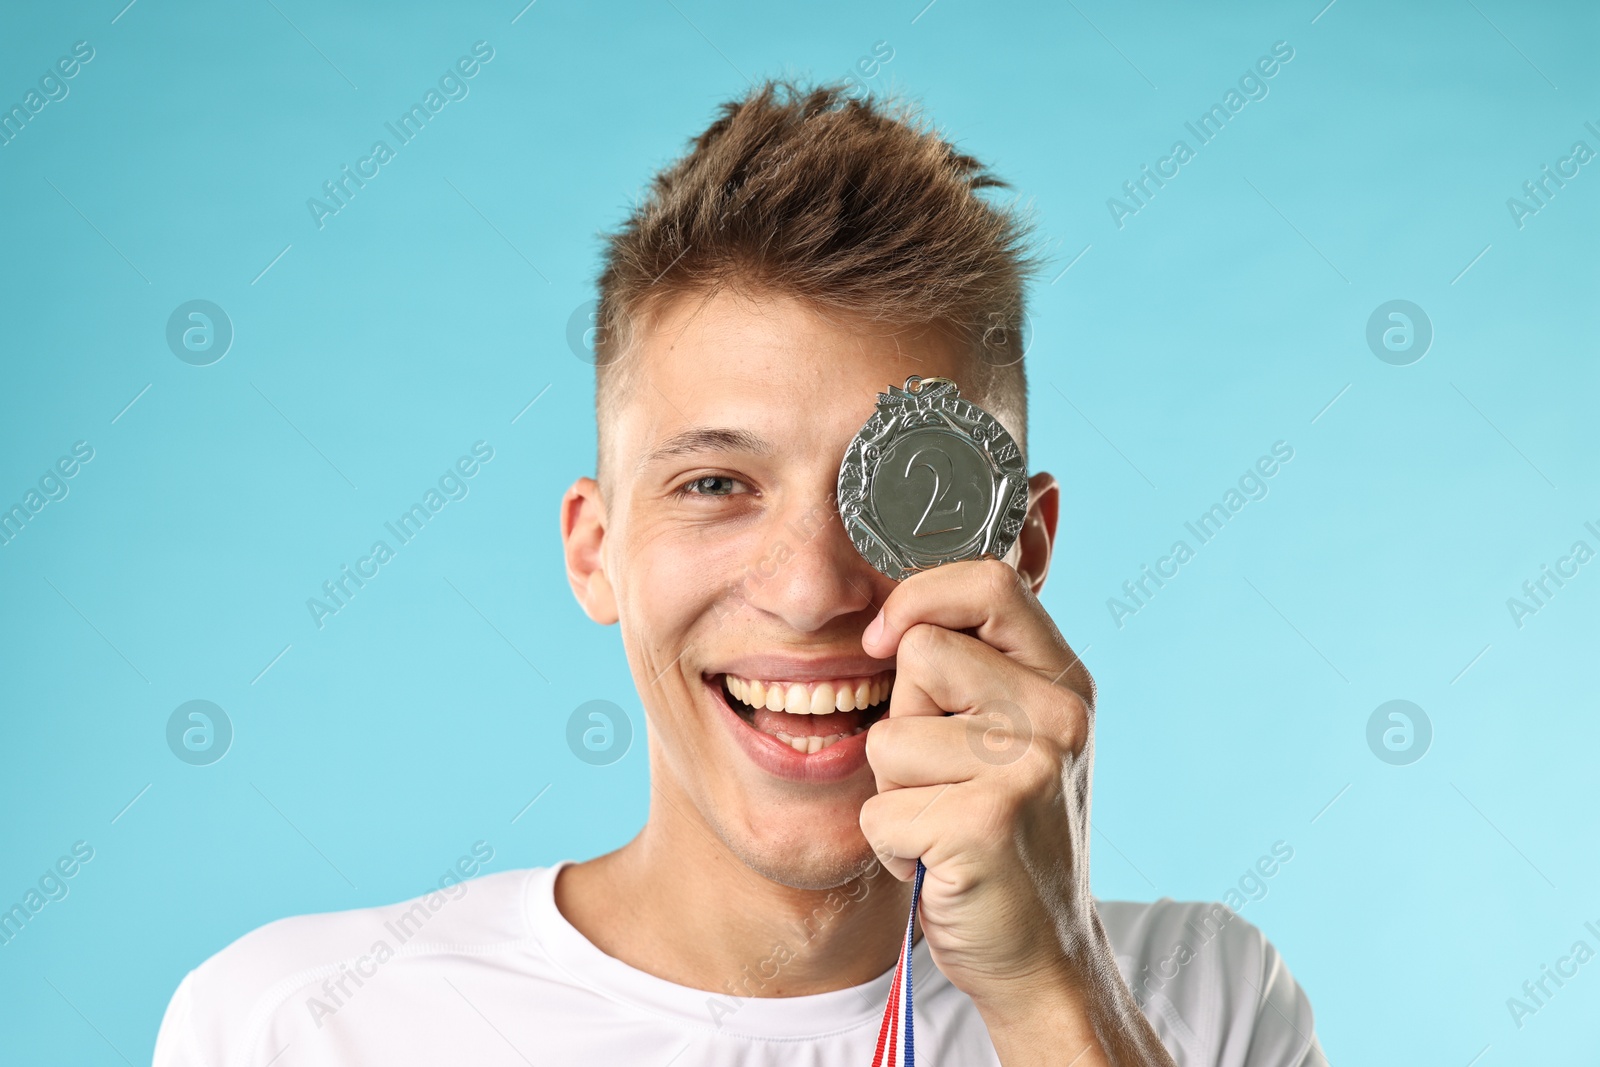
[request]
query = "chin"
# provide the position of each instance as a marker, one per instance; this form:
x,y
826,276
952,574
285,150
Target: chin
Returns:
x,y
804,843
816,868
779,768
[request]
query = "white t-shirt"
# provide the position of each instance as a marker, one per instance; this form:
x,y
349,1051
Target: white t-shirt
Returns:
x,y
494,974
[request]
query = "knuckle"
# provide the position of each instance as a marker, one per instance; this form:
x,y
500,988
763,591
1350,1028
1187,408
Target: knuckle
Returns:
x,y
878,740
891,611
1039,767
1072,702
1076,678
1087,692
924,639
883,849
1000,581
1077,720
868,819
1075,693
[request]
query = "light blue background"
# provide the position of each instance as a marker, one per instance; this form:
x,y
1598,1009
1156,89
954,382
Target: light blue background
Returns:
x,y
1224,316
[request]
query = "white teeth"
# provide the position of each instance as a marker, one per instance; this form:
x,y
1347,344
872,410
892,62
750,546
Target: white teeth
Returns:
x,y
817,698
811,745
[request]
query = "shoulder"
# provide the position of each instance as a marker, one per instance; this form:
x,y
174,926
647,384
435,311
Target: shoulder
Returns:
x,y
1211,983
223,1006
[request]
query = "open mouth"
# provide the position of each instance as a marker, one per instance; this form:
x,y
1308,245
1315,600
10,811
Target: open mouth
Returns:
x,y
808,716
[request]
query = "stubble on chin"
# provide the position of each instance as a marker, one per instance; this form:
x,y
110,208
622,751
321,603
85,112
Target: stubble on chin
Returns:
x,y
813,868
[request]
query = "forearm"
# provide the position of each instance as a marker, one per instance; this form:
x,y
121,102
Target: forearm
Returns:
x,y
1085,1017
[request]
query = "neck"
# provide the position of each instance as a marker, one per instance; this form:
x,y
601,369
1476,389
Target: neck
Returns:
x,y
676,903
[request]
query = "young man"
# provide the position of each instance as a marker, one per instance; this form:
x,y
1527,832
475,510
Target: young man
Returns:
x,y
814,727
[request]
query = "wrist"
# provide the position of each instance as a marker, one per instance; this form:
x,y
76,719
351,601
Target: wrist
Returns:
x,y
1047,1017
1076,1012
1054,1031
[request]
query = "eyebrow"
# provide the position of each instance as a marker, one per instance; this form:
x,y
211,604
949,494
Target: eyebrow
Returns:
x,y
706,439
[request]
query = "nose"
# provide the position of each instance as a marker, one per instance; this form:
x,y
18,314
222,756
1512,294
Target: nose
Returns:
x,y
816,575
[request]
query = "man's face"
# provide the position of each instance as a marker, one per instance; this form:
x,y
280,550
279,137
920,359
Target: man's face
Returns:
x,y
721,554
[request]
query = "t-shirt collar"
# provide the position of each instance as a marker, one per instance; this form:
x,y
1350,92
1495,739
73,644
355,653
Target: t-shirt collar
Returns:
x,y
806,1017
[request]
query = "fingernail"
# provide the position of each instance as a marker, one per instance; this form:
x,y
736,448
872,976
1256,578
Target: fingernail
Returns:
x,y
874,630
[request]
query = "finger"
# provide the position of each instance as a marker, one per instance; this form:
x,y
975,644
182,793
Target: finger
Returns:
x,y
997,709
906,825
988,598
940,671
920,751
916,752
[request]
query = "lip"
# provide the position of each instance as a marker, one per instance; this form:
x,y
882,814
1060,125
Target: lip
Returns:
x,y
803,668
838,761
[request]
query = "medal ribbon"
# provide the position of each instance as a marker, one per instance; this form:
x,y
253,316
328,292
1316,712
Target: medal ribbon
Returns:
x,y
895,1047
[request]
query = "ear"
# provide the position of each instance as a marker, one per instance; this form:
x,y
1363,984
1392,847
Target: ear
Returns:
x,y
1038,536
583,532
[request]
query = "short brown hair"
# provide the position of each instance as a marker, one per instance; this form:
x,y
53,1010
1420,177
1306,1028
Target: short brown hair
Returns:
x,y
851,205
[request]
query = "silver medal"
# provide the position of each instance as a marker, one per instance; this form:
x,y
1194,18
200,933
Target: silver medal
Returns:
x,y
931,479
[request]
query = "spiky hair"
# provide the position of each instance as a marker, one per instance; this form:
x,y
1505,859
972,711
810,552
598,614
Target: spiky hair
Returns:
x,y
852,205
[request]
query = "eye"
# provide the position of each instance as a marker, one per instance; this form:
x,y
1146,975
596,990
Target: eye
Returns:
x,y
709,485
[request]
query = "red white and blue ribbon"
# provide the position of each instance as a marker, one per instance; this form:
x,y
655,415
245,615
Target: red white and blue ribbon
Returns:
x,y
895,1045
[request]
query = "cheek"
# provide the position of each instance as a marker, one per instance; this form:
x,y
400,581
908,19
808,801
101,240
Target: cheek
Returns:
x,y
680,553
676,580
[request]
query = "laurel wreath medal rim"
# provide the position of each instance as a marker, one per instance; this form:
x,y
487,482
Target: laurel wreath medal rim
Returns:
x,y
904,409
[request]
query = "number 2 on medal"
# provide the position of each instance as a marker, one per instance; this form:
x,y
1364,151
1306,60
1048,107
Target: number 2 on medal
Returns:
x,y
941,489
